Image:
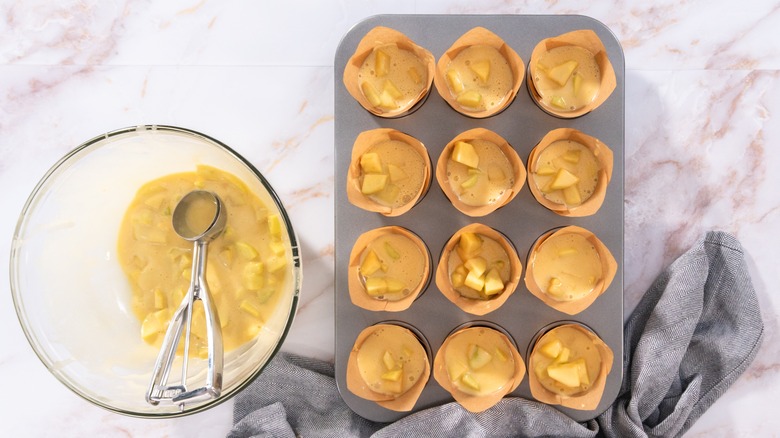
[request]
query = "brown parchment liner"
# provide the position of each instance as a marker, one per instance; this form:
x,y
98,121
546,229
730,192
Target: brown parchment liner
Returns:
x,y
603,154
479,36
468,305
608,271
517,167
588,40
364,141
476,403
380,36
357,292
586,401
356,385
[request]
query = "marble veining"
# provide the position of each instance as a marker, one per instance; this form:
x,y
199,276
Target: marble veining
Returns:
x,y
702,105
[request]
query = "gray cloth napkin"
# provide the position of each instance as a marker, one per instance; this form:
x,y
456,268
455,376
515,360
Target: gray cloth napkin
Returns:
x,y
691,336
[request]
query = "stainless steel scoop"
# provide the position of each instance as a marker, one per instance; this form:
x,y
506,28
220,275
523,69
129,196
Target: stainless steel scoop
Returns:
x,y
199,217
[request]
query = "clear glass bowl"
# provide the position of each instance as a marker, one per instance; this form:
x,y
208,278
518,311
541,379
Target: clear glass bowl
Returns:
x,y
70,294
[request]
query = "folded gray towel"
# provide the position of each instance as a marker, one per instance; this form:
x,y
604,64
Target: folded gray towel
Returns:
x,y
694,332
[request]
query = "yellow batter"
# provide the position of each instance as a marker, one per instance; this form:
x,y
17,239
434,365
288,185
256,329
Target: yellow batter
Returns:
x,y
566,267
390,77
566,361
567,78
479,77
567,172
391,360
393,173
245,269
479,172
479,267
478,361
391,267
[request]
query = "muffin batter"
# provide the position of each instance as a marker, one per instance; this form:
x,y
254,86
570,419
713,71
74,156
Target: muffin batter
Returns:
x,y
566,267
391,78
479,172
391,360
479,77
567,172
478,361
393,173
566,362
567,78
391,267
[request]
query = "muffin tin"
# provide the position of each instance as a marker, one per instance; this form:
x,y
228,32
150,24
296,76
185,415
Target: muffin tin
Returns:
x,y
432,317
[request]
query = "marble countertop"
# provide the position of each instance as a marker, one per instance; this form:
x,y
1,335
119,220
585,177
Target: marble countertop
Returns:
x,y
702,129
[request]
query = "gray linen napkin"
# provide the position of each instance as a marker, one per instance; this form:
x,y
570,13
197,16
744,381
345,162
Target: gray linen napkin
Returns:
x,y
691,336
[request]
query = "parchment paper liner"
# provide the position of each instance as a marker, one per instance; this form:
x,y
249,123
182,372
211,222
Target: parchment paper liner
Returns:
x,y
608,271
380,36
402,403
509,152
364,141
357,292
603,154
474,403
583,402
468,305
479,36
586,39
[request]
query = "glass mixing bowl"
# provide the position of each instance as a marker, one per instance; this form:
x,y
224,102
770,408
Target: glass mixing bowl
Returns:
x,y
71,295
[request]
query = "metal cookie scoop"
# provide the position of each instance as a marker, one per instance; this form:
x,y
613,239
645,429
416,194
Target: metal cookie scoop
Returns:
x,y
199,217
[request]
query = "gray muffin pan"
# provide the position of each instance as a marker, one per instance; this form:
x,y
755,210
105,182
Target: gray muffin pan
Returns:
x,y
434,218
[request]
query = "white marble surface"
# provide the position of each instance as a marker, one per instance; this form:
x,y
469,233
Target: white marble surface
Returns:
x,y
702,119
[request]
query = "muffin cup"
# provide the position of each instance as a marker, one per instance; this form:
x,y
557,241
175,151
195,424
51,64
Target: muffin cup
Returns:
x,y
588,40
474,403
404,402
379,36
509,152
608,271
473,306
479,36
584,402
603,154
364,141
357,292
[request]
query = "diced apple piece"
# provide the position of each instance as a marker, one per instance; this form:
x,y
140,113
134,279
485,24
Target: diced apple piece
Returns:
x,y
470,98
394,286
275,226
148,234
469,381
563,356
371,94
392,252
555,287
414,75
388,360
464,153
474,281
155,201
396,173
371,163
456,370
572,195
558,101
376,286
470,181
263,295
562,72
277,247
245,250
582,371
382,63
153,324
493,283
476,265
387,101
478,357
226,256
495,173
551,349
545,170
564,179
373,183
456,84
576,82
393,375
275,263
252,278
567,252
458,276
249,308
565,373
389,194
572,156
481,69
143,217
371,263
159,299
392,90
502,355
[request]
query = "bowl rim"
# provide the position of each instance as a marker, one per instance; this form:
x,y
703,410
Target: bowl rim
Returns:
x,y
16,292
